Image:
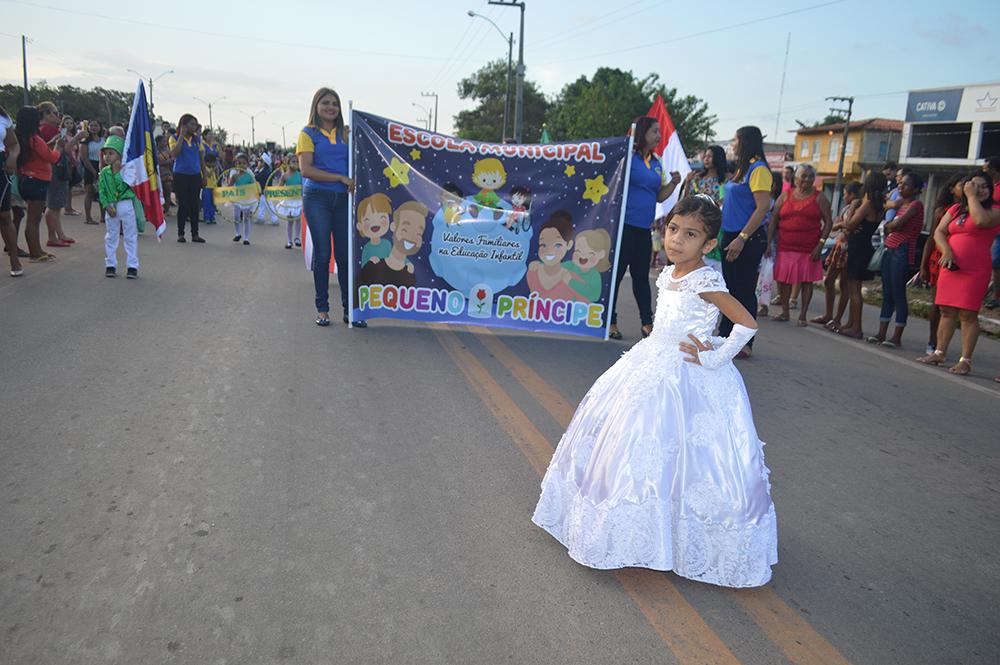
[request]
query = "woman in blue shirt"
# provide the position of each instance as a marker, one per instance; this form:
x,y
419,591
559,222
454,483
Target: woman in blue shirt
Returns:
x,y
746,203
187,152
646,187
322,153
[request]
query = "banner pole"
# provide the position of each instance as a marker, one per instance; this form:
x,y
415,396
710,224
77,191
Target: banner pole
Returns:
x,y
621,224
350,216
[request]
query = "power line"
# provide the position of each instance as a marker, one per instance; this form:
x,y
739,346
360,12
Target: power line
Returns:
x,y
223,35
575,32
699,34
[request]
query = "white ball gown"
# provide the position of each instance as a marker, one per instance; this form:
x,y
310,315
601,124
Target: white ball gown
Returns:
x,y
661,466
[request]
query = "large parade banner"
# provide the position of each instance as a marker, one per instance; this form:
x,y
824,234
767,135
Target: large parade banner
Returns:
x,y
456,231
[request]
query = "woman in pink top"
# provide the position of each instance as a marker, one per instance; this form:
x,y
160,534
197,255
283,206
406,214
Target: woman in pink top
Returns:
x,y
802,221
900,253
964,236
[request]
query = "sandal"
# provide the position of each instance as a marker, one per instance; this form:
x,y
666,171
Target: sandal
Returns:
x,y
323,321
832,325
935,358
848,333
779,317
822,320
873,339
615,334
889,344
801,323
16,272
962,367
646,333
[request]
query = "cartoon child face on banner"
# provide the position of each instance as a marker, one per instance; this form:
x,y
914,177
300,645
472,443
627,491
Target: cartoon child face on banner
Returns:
x,y
474,243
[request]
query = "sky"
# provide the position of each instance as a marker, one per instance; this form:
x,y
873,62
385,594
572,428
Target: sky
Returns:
x,y
266,59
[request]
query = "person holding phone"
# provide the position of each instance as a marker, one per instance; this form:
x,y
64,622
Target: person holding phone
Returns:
x,y
52,130
964,236
188,155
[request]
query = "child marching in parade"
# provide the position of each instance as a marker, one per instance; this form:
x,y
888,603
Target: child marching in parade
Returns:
x,y
242,212
291,210
661,466
123,211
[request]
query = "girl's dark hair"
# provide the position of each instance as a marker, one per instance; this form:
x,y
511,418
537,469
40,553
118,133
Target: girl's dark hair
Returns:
x,y
522,190
26,126
751,146
945,198
642,125
873,189
853,188
915,180
561,221
777,182
452,188
187,117
718,162
988,203
704,209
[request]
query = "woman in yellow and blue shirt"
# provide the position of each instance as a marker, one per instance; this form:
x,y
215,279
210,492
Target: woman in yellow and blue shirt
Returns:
x,y
747,201
322,153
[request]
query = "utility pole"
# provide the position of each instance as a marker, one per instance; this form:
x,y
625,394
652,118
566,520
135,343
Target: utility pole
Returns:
x,y
435,96
427,120
24,67
519,95
253,135
151,82
209,105
781,91
510,59
839,186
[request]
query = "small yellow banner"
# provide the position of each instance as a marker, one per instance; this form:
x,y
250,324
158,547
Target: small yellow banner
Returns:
x,y
276,195
242,194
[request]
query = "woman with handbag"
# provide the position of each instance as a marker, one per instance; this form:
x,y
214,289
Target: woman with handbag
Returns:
x,y
859,230
899,254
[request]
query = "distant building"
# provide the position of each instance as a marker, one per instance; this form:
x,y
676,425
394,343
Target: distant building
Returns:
x,y
950,130
869,144
778,155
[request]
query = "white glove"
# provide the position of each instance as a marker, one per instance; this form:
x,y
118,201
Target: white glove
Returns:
x,y
726,348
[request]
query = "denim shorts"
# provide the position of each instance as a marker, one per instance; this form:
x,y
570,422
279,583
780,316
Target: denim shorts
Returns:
x,y
32,189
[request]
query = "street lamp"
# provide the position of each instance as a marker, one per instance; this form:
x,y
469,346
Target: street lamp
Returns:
x,y
209,105
427,120
510,56
151,82
253,135
283,142
235,134
519,100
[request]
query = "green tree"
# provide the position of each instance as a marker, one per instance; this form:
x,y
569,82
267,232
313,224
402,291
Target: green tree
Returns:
x,y
606,104
108,106
488,87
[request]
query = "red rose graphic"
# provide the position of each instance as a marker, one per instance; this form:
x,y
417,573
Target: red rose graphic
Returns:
x,y
480,294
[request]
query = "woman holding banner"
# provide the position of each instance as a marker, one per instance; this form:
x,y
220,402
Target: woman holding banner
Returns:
x,y
647,186
322,153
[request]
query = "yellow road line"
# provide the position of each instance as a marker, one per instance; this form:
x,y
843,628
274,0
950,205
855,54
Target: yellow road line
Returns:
x,y
783,625
670,614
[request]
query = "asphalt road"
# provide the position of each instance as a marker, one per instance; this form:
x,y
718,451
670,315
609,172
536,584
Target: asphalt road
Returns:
x,y
193,472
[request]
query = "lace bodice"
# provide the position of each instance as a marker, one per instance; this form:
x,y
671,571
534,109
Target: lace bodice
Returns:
x,y
679,307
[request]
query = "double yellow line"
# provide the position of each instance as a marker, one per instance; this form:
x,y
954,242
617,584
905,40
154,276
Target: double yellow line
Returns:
x,y
677,622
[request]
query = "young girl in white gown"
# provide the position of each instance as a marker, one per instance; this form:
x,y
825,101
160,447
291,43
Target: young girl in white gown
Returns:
x,y
661,466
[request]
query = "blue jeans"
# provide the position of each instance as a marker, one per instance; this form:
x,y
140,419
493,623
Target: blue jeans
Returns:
x,y
894,268
326,215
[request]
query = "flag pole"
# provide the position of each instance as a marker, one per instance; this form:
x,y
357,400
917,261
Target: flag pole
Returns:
x,y
621,223
350,216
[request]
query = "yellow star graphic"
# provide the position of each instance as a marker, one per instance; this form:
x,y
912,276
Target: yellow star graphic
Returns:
x,y
570,171
414,154
596,189
397,172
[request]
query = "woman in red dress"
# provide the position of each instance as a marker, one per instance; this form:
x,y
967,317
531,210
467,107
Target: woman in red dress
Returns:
x,y
949,195
802,221
964,236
